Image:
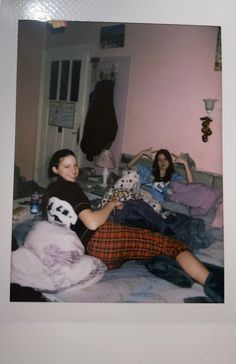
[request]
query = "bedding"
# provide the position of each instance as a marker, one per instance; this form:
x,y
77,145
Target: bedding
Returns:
x,y
53,259
196,200
139,210
199,197
133,282
194,232
130,283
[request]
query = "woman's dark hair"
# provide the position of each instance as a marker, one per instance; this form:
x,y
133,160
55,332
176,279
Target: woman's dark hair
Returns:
x,y
156,169
56,158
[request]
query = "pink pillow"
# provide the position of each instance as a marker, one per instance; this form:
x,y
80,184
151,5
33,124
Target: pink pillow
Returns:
x,y
218,220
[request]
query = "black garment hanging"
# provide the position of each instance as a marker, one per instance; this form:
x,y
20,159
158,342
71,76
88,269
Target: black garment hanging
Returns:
x,y
100,124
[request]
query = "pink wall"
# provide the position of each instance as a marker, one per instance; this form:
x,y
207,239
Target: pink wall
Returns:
x,y
171,71
170,75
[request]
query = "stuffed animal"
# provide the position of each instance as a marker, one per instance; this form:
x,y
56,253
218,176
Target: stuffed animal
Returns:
x,y
128,187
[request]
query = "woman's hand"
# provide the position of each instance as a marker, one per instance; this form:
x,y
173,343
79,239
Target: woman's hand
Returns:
x,y
116,203
179,159
149,152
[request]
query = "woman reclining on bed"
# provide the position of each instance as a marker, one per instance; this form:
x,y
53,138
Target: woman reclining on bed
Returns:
x,y
156,179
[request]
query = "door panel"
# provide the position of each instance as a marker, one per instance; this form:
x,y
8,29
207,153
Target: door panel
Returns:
x,y
65,78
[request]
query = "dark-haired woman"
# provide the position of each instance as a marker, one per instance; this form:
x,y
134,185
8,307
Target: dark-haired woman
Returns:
x,y
156,179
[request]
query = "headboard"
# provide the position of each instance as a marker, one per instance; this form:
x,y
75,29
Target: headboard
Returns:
x,y
207,178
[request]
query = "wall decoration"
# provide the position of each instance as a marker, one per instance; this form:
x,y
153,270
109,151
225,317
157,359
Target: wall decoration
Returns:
x,y
112,36
61,114
218,60
206,128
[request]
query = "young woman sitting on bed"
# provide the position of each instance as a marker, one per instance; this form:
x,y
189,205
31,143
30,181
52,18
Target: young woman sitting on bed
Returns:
x,y
156,179
112,243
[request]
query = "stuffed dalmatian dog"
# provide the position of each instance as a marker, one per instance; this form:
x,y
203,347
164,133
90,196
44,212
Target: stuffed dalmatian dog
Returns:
x,y
130,181
128,187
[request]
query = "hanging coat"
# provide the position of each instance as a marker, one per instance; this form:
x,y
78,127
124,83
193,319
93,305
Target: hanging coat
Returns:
x,y
100,124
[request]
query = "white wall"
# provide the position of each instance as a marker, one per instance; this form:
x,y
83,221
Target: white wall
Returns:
x,y
71,333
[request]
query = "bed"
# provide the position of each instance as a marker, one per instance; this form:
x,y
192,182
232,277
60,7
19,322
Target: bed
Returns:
x,y
133,282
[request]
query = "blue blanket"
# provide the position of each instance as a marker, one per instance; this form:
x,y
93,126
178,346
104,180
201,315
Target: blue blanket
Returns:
x,y
192,231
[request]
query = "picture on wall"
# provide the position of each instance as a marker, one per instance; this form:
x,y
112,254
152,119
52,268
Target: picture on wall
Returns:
x,y
61,114
112,36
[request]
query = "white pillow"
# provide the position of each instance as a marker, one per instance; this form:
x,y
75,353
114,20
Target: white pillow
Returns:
x,y
53,243
53,259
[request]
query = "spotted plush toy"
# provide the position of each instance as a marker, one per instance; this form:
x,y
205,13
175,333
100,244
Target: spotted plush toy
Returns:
x,y
130,181
127,188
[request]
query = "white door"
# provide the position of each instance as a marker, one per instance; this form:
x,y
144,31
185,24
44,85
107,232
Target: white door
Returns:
x,y
63,103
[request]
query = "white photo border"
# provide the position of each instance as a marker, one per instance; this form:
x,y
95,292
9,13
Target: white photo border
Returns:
x,y
168,12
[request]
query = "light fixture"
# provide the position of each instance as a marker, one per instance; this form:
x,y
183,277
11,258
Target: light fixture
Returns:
x,y
209,105
106,161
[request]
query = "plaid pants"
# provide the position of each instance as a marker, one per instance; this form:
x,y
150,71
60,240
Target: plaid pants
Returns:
x,y
114,244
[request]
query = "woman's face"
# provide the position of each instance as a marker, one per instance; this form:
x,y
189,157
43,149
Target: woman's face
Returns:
x,y
68,168
163,163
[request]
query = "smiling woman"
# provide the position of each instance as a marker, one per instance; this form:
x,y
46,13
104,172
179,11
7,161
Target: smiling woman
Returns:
x,y
67,168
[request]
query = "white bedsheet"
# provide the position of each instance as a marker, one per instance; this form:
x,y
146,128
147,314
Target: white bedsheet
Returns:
x,y
133,283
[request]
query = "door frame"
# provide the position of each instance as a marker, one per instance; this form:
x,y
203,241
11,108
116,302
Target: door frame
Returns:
x,y
85,79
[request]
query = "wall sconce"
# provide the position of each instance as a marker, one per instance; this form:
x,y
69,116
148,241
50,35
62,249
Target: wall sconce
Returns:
x,y
206,120
209,105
